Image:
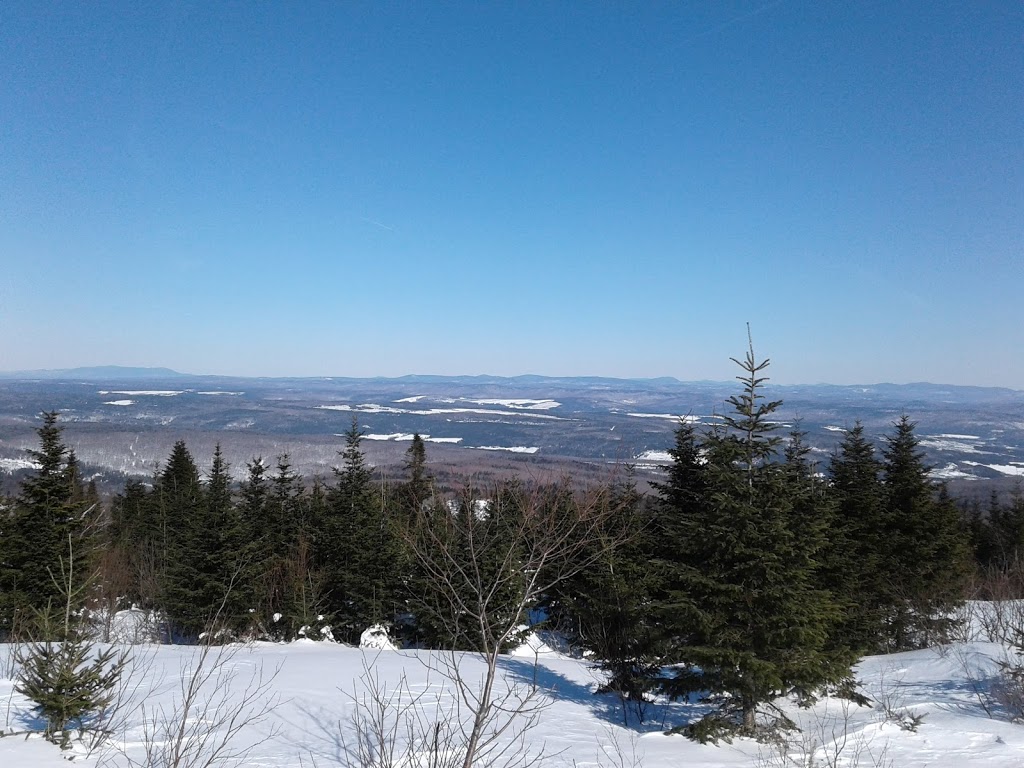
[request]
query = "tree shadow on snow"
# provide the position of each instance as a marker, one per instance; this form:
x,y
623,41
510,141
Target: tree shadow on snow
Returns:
x,y
657,715
319,734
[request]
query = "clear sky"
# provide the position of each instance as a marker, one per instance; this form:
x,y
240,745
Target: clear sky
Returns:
x,y
370,188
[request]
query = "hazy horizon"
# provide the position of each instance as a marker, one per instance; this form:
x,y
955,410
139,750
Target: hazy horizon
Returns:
x,y
689,380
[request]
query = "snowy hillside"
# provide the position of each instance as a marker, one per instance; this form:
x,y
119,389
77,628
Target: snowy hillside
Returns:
x,y
304,699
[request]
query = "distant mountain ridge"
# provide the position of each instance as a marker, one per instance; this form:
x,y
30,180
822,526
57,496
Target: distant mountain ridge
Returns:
x,y
128,373
96,373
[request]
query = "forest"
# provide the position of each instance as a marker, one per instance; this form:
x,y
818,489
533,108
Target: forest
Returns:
x,y
751,573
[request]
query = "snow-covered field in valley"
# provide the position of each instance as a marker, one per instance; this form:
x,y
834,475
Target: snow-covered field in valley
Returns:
x,y
305,699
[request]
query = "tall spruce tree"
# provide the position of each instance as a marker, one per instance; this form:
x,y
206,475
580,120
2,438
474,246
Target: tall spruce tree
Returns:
x,y
751,622
856,569
417,487
605,607
283,535
926,544
229,590
174,522
47,517
360,546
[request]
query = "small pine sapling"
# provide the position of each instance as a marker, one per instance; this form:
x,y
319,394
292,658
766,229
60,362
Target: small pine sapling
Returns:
x,y
70,682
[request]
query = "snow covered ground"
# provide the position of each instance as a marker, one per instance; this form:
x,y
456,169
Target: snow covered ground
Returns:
x,y
309,693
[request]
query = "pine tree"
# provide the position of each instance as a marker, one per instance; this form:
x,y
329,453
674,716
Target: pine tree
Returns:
x,y
678,537
228,593
48,510
925,545
174,525
751,622
856,570
605,607
69,681
289,598
417,488
360,546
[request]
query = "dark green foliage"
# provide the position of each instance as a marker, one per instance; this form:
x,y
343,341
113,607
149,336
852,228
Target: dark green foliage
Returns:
x,y
417,488
131,550
360,547
677,532
997,533
604,608
223,538
924,547
206,543
69,682
469,585
748,620
49,509
288,587
856,570
176,497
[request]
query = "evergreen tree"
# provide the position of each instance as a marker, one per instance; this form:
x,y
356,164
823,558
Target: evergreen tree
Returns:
x,y
69,682
926,545
228,593
751,623
360,546
856,570
48,512
206,585
177,494
997,532
678,537
283,532
259,550
173,524
605,607
417,488
253,496
481,537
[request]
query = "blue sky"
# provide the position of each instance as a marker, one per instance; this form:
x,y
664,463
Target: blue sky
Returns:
x,y
554,188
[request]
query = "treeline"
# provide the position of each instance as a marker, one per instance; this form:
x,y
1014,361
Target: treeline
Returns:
x,y
751,573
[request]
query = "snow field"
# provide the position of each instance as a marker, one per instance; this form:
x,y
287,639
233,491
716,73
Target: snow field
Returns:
x,y
312,693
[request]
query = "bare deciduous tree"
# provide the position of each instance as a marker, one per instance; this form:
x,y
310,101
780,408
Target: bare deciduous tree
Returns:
x,y
486,563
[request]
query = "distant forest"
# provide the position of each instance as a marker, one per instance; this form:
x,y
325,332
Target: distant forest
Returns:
x,y
752,571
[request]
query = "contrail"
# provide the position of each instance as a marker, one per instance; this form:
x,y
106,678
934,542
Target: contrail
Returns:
x,y
733,21
378,224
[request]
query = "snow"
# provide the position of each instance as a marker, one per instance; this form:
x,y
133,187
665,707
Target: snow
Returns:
x,y
512,448
314,689
517,403
407,436
120,402
950,472
523,403
833,428
143,392
654,456
376,638
377,408
948,443
673,416
12,465
1006,469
